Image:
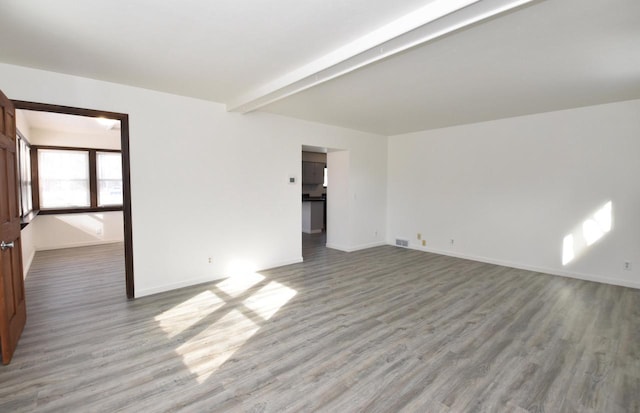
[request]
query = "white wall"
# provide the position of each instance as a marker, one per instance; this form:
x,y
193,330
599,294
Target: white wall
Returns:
x,y
208,183
509,191
52,232
106,140
338,198
23,126
28,248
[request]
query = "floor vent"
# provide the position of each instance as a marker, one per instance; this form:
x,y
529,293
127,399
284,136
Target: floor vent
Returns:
x,y
402,242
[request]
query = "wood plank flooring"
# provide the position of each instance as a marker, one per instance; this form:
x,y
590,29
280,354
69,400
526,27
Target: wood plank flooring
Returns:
x,y
380,330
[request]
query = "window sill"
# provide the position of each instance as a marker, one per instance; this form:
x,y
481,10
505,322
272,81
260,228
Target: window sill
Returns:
x,y
57,211
26,220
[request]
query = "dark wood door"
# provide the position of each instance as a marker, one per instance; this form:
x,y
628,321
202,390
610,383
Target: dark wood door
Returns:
x,y
13,311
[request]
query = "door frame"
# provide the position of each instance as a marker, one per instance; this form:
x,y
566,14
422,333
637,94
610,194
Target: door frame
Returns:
x,y
126,172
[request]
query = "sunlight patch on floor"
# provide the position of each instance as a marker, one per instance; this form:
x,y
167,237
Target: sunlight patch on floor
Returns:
x,y
184,315
209,349
268,300
239,283
233,322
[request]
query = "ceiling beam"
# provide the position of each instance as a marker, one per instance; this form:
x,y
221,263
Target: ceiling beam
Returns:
x,y
434,20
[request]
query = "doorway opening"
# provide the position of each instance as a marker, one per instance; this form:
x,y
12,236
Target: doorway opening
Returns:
x,y
325,177
93,208
314,199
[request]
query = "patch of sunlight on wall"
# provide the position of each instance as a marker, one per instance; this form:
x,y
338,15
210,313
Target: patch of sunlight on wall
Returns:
x,y
184,315
85,223
268,300
588,233
568,253
210,348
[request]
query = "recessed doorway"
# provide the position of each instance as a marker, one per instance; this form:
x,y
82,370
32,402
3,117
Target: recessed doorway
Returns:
x,y
101,198
325,191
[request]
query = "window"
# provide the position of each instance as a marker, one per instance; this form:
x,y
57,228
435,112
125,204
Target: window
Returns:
x,y
109,166
64,178
24,170
77,179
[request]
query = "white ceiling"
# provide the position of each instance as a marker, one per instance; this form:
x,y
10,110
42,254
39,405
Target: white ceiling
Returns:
x,y
59,122
553,55
548,55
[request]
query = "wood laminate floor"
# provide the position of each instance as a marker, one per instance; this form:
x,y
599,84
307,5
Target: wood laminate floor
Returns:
x,y
380,330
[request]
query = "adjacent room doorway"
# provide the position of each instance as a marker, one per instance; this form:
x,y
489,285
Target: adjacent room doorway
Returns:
x,y
123,120
328,189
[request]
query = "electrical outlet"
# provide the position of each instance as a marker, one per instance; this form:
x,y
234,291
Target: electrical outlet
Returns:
x,y
452,241
210,260
627,265
419,235
424,242
98,231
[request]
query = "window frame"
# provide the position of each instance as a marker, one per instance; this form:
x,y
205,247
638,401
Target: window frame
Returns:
x,y
93,181
25,216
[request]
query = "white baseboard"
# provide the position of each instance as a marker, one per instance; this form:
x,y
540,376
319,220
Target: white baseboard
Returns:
x,y
551,271
203,280
174,286
282,264
355,248
76,245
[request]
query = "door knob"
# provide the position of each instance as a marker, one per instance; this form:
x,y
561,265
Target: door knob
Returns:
x,y
5,245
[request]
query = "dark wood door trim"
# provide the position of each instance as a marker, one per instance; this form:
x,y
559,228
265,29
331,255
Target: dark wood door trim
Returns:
x,y
126,177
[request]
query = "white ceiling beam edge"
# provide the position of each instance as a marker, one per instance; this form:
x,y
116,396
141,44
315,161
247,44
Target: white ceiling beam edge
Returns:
x,y
434,20
369,42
